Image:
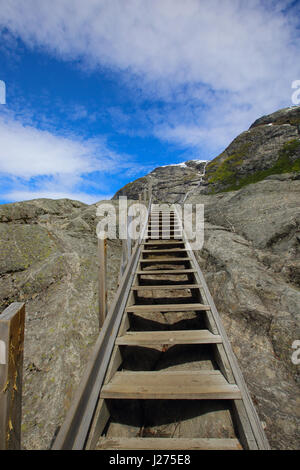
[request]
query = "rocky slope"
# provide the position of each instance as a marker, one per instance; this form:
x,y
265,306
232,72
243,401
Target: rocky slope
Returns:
x,y
48,259
271,146
252,265
169,183
250,259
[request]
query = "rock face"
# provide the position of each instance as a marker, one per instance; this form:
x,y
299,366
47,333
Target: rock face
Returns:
x,y
251,263
48,259
169,183
271,146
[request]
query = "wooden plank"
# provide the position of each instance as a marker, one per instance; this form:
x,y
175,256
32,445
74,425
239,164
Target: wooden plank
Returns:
x,y
162,260
12,322
174,237
166,250
163,226
175,385
167,308
243,425
163,242
167,271
168,337
168,287
100,419
164,443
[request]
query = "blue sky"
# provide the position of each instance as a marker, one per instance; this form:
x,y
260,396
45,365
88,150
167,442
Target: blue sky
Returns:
x,y
100,92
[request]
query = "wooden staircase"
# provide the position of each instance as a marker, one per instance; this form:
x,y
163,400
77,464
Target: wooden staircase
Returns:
x,y
168,298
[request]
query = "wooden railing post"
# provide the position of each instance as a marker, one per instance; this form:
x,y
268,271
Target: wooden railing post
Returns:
x,y
102,251
12,322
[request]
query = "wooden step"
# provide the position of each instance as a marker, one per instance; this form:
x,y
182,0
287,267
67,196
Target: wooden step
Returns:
x,y
162,260
167,308
141,338
165,231
167,287
174,385
165,227
165,443
163,242
159,237
166,250
167,271
161,225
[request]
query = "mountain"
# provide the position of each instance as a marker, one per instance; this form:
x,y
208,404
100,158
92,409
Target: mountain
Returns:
x,y
250,259
170,183
271,146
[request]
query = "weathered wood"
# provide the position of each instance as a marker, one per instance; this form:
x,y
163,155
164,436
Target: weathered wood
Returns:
x,y
175,385
101,417
102,248
243,425
164,443
166,271
166,250
142,338
115,362
167,287
162,260
12,322
167,308
163,242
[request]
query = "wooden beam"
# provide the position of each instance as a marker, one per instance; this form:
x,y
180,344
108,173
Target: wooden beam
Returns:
x,y
12,322
167,308
175,385
167,287
141,338
165,271
164,443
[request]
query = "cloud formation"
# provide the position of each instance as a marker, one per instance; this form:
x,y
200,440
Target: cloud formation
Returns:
x,y
228,44
214,66
38,163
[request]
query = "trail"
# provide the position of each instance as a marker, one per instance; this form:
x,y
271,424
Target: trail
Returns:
x,y
199,183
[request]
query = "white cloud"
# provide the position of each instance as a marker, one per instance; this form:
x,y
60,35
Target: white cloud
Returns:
x,y
228,44
26,151
226,62
37,163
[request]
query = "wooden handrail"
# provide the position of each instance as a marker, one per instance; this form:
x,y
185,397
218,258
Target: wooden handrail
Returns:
x,y
12,322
